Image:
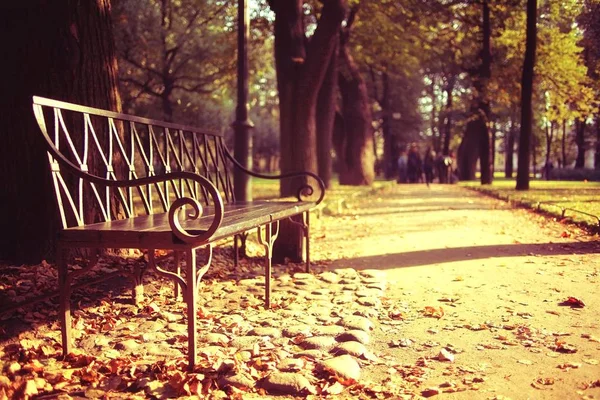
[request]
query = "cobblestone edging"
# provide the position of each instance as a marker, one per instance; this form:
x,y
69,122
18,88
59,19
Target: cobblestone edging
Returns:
x,y
320,325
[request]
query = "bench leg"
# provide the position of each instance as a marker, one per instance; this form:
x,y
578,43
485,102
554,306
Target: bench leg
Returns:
x,y
64,286
239,247
192,307
307,236
236,254
267,243
305,227
177,287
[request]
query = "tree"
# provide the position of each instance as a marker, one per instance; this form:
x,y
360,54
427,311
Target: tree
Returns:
x,y
526,97
301,66
63,50
355,148
476,142
169,50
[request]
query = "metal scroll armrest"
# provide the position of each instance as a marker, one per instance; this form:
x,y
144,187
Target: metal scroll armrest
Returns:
x,y
305,190
178,230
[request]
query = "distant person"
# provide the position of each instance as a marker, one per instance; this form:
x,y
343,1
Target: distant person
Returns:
x,y
450,162
402,166
414,168
429,165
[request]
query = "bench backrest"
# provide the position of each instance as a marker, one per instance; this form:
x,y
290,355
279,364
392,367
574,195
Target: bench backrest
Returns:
x,y
118,147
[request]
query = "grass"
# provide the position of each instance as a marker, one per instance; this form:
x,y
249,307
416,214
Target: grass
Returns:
x,y
269,189
577,201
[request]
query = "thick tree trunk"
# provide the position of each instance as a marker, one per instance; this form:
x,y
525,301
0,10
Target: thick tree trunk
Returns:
x,y
356,160
62,50
526,97
301,68
580,142
325,118
484,107
469,150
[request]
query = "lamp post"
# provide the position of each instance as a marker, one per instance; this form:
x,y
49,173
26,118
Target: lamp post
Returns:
x,y
242,125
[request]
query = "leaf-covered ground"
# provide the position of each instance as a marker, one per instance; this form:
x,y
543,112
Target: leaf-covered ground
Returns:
x,y
417,292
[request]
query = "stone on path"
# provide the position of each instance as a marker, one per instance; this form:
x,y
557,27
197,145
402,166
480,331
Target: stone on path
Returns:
x,y
323,343
345,366
329,277
291,364
287,383
355,349
369,301
295,330
265,331
240,381
216,338
328,330
356,322
354,335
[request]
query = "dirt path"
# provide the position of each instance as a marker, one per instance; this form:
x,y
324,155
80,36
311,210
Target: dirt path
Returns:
x,y
469,308
480,282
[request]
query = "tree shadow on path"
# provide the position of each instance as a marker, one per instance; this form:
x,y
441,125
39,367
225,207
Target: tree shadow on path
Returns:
x,y
447,255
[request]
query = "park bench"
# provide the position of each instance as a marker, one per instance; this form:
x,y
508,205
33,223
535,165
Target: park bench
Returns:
x,y
153,185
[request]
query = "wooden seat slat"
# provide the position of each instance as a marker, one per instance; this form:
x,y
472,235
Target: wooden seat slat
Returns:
x,y
238,217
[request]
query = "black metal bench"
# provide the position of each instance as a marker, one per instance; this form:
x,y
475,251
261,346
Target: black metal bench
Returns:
x,y
156,186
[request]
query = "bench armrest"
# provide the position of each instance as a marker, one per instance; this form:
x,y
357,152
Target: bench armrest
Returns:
x,y
175,207
305,190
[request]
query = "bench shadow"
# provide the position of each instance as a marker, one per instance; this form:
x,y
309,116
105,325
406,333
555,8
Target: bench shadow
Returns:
x,y
446,255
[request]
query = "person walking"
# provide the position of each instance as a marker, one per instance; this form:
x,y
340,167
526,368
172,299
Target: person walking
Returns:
x,y
414,168
402,166
429,165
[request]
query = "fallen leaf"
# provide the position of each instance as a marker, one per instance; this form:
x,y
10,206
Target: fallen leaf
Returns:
x,y
569,365
433,312
429,392
573,302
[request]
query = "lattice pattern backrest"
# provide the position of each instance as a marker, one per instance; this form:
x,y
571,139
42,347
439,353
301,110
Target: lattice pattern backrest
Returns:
x,y
122,147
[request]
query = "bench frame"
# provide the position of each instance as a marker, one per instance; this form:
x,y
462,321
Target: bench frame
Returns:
x,y
209,196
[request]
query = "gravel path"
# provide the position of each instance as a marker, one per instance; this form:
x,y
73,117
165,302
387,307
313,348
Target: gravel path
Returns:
x,y
417,292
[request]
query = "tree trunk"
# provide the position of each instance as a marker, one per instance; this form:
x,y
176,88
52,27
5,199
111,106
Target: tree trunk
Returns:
x,y
390,153
526,97
356,161
448,124
484,106
325,118
301,68
468,151
580,142
549,140
62,50
597,153
563,146
509,151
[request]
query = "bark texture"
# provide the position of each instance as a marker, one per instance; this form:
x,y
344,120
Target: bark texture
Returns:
x,y
356,161
580,142
526,97
301,67
62,50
